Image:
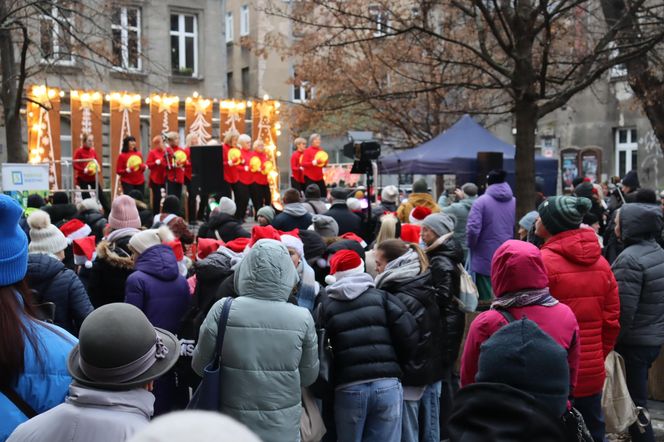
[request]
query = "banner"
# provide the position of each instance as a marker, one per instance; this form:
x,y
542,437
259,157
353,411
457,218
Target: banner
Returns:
x,y
25,177
232,115
198,118
86,118
125,121
163,115
43,112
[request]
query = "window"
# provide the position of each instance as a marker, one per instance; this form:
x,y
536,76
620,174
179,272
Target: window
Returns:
x,y
302,90
126,28
229,27
244,20
55,32
379,18
231,85
184,44
626,151
619,70
245,82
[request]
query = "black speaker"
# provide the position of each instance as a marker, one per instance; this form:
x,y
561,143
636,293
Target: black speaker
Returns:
x,y
207,169
486,162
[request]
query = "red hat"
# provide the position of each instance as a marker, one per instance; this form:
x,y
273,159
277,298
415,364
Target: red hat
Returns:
x,y
85,251
295,232
418,214
177,249
411,233
238,244
207,246
353,237
75,229
267,232
344,263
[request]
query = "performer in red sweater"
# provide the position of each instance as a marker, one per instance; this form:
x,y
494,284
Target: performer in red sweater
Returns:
x,y
297,175
157,165
313,160
259,189
130,167
245,177
230,164
85,172
176,163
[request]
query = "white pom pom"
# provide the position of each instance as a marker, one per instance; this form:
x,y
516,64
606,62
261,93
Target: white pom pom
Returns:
x,y
39,220
88,264
165,234
330,279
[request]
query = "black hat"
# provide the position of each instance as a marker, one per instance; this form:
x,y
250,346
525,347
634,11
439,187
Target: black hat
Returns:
x,y
136,194
339,193
35,201
171,205
312,192
118,349
631,180
496,176
60,198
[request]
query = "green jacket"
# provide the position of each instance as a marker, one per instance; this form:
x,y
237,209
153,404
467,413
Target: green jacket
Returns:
x,y
270,347
460,210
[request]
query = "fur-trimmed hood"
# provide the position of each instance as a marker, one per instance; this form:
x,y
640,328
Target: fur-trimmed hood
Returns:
x,y
116,254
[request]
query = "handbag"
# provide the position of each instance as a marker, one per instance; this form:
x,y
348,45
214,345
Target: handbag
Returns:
x,y
468,293
208,394
312,428
619,409
574,427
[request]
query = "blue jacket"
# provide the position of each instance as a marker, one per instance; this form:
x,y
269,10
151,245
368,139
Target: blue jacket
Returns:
x,y
42,385
59,285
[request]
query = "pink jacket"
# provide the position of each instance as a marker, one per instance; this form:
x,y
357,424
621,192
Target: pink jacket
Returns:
x,y
517,266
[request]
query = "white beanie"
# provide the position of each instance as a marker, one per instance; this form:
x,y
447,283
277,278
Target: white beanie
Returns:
x,y
44,236
389,194
88,204
292,242
145,239
354,204
227,205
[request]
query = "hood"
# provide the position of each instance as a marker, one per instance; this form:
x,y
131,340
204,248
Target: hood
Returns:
x,y
640,221
350,287
60,212
500,192
421,199
579,246
220,219
403,269
517,265
266,272
158,261
215,266
133,401
295,209
42,266
116,254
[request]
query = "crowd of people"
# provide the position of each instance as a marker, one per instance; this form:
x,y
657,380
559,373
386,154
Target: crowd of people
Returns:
x,y
111,317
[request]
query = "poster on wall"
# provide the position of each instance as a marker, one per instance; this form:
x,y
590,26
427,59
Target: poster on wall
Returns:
x,y
570,168
590,166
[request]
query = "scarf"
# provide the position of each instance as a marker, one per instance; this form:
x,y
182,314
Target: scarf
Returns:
x,y
121,233
404,268
525,298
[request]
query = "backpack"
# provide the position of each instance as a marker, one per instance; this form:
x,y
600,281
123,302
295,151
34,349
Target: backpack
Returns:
x,y
45,310
468,293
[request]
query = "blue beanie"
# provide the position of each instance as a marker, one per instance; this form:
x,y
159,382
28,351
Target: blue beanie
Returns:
x,y
14,250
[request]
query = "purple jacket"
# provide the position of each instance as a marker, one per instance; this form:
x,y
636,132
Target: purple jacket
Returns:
x,y
157,288
490,223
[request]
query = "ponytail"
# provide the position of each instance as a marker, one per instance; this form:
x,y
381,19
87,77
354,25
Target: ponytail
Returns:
x,y
424,261
394,248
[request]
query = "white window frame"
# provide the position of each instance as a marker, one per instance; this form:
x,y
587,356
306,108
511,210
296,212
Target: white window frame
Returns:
x,y
629,147
306,93
229,27
181,34
55,19
620,70
244,20
125,29
379,17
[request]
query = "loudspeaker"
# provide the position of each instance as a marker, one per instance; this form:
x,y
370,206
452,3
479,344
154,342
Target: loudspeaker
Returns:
x,y
207,169
486,162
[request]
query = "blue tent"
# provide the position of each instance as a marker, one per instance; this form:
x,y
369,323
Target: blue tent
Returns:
x,y
454,152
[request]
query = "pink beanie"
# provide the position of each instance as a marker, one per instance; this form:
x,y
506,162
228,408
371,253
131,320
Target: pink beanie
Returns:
x,y
124,213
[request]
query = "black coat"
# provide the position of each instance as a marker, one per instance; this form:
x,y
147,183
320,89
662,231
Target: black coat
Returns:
x,y
445,275
95,220
60,213
57,284
419,296
371,336
287,222
223,226
347,220
109,272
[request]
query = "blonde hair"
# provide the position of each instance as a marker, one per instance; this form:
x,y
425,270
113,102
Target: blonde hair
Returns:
x,y
388,228
228,137
394,248
189,140
172,135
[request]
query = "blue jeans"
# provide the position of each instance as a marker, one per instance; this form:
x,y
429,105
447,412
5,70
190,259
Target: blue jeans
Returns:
x,y
590,408
369,412
420,418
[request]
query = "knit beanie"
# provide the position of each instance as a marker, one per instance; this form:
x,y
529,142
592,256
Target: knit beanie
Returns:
x,y
420,186
496,177
562,213
439,223
418,214
344,263
389,194
14,250
145,239
631,180
136,194
325,226
312,192
60,198
88,204
36,201
227,206
124,213
354,204
585,190
267,212
522,356
470,189
528,220
171,205
295,243
44,236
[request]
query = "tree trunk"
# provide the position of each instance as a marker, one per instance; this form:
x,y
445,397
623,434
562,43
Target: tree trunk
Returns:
x,y
8,96
525,114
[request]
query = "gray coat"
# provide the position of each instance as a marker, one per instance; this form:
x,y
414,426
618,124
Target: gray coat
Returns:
x,y
460,211
90,415
639,271
270,347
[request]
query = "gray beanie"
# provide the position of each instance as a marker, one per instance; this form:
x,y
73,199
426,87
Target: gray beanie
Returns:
x,y
420,186
325,226
227,205
470,189
439,223
44,236
267,212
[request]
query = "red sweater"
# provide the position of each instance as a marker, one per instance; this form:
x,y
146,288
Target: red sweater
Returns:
x,y
187,167
311,171
230,171
176,173
157,171
259,177
244,175
135,178
296,166
84,153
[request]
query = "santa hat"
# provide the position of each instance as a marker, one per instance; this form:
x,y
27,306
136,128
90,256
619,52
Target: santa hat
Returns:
x,y
418,214
344,263
354,237
178,250
267,232
295,243
85,251
238,244
411,233
75,229
207,246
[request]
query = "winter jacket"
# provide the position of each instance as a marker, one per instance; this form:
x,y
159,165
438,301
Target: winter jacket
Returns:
x,y
444,257
347,220
270,346
224,227
460,211
43,385
521,270
57,284
60,213
581,278
404,280
415,200
90,415
490,223
177,225
372,333
96,220
315,207
294,216
639,271
109,272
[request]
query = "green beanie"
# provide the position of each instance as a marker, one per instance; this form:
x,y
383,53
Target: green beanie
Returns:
x,y
561,213
420,186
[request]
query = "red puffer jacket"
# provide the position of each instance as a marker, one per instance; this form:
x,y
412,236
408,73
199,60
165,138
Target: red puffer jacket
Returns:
x,y
581,278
